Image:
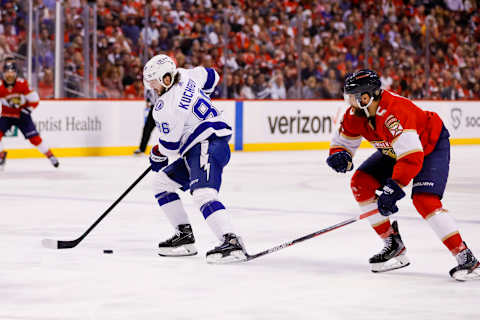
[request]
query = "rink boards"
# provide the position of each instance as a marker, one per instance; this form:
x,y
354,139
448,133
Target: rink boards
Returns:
x,y
113,127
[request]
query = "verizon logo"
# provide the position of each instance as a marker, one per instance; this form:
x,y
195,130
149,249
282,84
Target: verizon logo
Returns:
x,y
299,124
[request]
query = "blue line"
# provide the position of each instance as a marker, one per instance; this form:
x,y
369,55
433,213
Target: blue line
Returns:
x,y
238,125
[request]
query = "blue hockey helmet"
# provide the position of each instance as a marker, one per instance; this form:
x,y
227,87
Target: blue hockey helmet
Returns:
x,y
9,65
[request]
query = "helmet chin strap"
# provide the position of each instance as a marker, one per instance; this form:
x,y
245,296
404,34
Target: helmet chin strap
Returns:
x,y
365,107
172,78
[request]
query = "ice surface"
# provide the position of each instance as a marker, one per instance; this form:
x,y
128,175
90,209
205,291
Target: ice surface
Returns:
x,y
273,197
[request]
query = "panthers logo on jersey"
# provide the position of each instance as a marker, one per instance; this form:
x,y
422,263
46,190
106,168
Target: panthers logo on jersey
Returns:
x,y
393,125
14,102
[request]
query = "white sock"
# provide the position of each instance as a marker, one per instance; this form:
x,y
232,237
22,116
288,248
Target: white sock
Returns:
x,y
220,223
175,213
375,219
42,147
443,224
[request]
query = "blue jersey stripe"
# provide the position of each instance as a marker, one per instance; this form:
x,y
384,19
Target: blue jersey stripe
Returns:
x,y
201,128
210,79
166,197
213,206
169,145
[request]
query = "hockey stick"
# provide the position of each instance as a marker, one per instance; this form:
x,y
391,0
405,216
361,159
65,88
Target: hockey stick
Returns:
x,y
68,244
311,235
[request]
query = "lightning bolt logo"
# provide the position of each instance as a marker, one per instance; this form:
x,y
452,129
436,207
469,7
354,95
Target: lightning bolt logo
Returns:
x,y
204,158
207,169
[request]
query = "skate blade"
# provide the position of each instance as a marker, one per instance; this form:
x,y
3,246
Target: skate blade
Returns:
x,y
233,257
181,251
398,262
465,275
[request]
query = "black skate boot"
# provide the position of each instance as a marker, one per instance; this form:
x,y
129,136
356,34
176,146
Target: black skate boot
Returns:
x,y
180,245
3,159
231,250
468,266
392,255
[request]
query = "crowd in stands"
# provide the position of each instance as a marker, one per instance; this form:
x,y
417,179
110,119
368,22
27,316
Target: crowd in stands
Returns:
x,y
265,49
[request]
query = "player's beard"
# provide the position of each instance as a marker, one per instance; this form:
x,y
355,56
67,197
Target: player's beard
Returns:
x,y
10,79
359,112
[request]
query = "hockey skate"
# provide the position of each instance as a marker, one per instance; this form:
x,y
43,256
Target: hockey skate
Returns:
x,y
180,245
468,267
392,255
54,161
3,159
231,250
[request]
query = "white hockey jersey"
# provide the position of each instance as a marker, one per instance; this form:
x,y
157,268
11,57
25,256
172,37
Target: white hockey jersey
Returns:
x,y
185,114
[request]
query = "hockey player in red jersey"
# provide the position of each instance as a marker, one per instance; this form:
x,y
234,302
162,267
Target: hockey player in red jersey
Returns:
x,y
411,144
18,101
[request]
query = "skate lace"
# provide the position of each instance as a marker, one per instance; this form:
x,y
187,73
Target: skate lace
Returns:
x,y
388,245
175,236
464,257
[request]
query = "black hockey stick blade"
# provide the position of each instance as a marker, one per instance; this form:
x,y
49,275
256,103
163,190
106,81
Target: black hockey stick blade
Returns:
x,y
60,244
311,235
68,244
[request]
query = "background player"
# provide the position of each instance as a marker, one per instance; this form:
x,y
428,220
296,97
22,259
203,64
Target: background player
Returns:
x,y
18,101
149,124
192,128
411,144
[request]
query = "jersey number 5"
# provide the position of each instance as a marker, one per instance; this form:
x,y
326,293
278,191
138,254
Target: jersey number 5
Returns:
x,y
203,108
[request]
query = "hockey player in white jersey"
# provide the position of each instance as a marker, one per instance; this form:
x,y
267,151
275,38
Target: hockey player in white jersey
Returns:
x,y
192,129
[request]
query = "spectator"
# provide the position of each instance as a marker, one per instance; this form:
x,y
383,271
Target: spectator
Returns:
x,y
261,88
151,32
45,84
135,90
164,40
131,29
309,90
277,86
5,50
247,89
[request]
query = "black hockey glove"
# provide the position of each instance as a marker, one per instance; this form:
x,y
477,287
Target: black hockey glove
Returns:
x,y
157,160
391,193
340,161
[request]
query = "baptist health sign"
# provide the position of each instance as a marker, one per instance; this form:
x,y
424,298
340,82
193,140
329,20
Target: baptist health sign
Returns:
x,y
89,127
114,127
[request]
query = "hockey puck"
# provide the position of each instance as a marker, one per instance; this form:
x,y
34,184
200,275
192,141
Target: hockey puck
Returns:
x,y
108,251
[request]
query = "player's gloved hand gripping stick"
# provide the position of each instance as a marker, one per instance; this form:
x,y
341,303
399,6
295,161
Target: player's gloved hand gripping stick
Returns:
x,y
157,159
387,200
68,244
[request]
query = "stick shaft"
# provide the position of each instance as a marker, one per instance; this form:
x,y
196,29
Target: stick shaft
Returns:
x,y
312,235
72,243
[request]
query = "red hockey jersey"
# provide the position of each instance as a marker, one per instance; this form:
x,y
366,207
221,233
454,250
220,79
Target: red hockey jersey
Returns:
x,y
402,131
18,97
